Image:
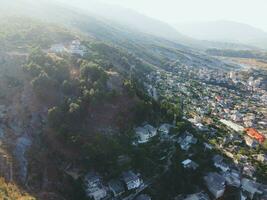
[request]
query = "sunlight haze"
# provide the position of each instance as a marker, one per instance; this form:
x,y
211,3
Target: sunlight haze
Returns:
x,y
184,11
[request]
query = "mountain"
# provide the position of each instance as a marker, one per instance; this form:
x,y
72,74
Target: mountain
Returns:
x,y
99,16
132,19
225,31
153,49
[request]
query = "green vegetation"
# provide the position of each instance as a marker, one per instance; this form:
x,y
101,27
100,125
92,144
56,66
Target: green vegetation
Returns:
x,y
9,191
22,33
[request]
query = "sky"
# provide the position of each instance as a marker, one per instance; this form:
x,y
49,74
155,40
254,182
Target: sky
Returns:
x,y
252,12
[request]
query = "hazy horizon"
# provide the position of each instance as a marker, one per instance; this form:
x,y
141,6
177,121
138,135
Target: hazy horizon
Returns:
x,y
177,12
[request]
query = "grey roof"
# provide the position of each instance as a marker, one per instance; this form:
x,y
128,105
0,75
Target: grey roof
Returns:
x,y
217,158
92,177
215,181
116,186
129,176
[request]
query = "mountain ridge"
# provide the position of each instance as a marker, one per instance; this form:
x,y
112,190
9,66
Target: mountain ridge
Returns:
x,y
225,31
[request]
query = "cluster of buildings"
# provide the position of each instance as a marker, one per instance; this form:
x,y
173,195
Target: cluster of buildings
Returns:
x,y
228,108
145,133
96,189
234,101
74,48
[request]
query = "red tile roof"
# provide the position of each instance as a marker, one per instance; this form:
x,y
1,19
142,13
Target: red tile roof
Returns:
x,y
253,133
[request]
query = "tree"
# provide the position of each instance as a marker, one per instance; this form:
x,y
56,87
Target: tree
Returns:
x,y
92,72
55,116
33,68
43,85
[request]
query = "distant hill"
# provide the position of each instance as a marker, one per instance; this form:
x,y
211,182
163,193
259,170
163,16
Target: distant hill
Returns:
x,y
108,16
225,31
151,48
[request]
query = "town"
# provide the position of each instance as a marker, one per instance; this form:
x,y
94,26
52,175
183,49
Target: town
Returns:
x,y
228,114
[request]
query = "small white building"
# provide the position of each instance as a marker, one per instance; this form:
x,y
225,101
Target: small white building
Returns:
x,y
94,187
131,180
57,48
189,164
232,179
143,134
164,130
76,48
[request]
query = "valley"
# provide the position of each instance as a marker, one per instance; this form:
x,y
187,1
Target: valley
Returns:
x,y
93,108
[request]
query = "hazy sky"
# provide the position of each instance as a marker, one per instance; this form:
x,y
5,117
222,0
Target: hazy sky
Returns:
x,y
252,12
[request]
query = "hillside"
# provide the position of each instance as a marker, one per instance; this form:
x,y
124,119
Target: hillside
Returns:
x,y
75,88
62,100
10,191
225,31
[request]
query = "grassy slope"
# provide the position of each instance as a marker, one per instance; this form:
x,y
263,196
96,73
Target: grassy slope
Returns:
x,y
10,191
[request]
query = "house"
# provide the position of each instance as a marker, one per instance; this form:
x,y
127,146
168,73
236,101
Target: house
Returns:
x,y
131,180
232,178
197,196
94,187
201,127
262,158
116,187
76,48
250,187
253,133
249,170
207,146
145,133
57,48
251,142
164,129
189,164
215,183
186,140
143,197
218,162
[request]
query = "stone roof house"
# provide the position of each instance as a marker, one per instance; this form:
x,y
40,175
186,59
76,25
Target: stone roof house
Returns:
x,y
215,183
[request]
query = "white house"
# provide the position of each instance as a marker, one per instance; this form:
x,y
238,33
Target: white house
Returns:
x,y
57,48
76,48
131,180
94,187
189,164
164,130
145,133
